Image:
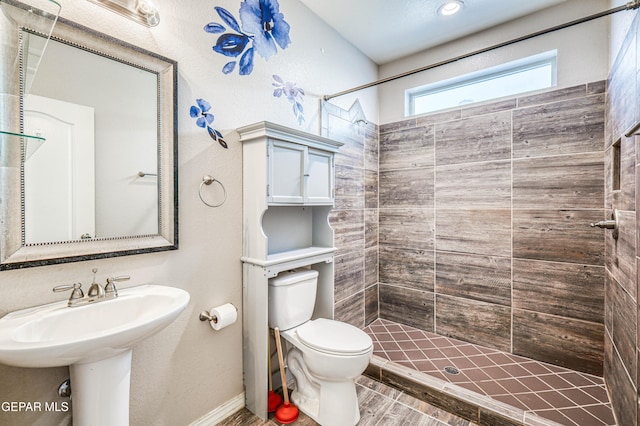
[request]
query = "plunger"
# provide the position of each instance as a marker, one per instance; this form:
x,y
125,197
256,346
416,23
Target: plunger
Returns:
x,y
287,413
273,400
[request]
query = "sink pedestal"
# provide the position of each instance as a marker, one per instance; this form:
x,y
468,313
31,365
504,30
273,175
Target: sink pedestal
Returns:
x,y
100,391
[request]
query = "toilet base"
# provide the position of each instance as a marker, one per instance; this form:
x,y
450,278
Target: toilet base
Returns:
x,y
328,402
334,406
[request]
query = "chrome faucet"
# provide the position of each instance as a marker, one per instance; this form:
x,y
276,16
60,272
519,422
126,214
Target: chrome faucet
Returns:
x,y
95,291
95,294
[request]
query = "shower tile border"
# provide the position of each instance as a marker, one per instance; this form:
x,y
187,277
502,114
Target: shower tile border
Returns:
x,y
493,388
455,399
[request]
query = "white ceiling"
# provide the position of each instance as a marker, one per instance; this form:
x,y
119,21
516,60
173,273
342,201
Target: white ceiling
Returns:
x,y
386,30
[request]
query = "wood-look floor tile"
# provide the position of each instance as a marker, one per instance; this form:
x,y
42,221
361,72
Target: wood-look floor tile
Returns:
x,y
401,415
372,406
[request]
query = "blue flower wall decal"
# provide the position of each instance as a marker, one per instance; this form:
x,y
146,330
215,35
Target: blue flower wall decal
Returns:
x,y
293,94
204,119
263,27
262,19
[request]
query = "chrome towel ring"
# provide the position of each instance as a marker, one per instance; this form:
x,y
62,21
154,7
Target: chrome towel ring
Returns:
x,y
208,180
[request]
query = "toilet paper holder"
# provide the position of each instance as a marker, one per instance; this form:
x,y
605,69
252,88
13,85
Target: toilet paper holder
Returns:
x,y
216,316
205,316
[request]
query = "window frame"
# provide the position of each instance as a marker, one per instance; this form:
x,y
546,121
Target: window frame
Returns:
x,y
504,70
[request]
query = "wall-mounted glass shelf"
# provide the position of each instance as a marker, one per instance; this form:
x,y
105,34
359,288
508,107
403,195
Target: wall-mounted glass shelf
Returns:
x,y
24,17
30,143
19,22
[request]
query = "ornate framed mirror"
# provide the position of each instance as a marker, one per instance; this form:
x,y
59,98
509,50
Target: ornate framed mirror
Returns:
x,y
88,150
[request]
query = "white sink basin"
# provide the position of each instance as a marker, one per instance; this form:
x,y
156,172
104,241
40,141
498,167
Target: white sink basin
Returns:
x,y
95,341
56,335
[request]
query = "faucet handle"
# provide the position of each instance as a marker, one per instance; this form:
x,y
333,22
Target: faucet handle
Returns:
x,y
76,293
110,288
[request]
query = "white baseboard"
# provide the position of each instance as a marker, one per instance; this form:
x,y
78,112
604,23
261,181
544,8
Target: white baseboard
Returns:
x,y
222,412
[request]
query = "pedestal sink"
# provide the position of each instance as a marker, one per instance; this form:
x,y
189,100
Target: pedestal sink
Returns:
x,y
95,341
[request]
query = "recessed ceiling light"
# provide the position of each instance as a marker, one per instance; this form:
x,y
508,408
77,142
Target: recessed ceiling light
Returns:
x,y
450,7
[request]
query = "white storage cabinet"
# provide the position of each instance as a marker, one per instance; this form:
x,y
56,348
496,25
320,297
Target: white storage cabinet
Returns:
x,y
288,193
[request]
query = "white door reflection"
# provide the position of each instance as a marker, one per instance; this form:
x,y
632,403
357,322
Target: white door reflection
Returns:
x,y
59,175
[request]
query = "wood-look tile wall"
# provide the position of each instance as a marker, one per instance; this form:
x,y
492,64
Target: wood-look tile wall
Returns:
x,y
621,309
484,229
355,215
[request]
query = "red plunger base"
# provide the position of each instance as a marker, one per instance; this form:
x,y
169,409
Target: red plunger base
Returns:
x,y
287,413
274,401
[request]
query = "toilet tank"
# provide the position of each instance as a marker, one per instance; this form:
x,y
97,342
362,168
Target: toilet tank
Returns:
x,y
292,297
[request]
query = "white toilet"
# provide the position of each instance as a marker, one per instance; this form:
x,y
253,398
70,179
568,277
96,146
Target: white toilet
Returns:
x,y
327,356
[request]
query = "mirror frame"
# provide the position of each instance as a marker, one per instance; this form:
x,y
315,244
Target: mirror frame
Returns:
x,y
14,253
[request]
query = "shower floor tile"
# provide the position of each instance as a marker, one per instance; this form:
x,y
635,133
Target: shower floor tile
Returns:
x,y
555,393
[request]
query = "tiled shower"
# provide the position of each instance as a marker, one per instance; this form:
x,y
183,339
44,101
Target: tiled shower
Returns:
x,y
484,225
474,224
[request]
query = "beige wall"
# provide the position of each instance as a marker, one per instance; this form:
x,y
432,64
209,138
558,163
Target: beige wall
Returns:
x,y
188,370
582,52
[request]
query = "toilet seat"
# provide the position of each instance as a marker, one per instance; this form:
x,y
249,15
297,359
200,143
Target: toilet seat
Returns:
x,y
334,337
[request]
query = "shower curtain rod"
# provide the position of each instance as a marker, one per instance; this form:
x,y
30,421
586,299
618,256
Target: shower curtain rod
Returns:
x,y
629,6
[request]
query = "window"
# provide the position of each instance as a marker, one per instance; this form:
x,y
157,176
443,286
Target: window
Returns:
x,y
524,75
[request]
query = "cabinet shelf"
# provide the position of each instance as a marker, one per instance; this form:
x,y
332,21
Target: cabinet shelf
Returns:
x,y
284,261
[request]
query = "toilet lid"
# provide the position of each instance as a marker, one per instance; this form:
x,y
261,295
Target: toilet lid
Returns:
x,y
334,336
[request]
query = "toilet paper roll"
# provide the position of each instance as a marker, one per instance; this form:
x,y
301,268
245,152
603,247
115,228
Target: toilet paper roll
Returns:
x,y
223,316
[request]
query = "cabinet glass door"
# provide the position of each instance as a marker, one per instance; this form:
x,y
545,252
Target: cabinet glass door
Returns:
x,y
286,172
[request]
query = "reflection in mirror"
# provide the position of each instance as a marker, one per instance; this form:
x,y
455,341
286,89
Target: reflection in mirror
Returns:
x,y
104,181
68,195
